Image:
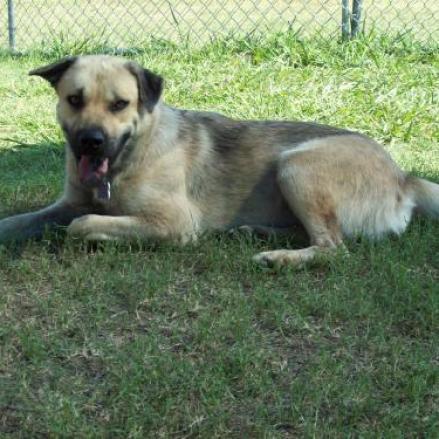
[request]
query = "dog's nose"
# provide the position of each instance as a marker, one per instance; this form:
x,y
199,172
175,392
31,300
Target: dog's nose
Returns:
x,y
91,138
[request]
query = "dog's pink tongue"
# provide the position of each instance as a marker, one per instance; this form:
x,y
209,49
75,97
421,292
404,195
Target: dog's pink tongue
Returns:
x,y
84,168
88,173
102,169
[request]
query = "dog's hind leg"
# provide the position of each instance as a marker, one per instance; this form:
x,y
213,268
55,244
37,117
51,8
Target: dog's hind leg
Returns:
x,y
325,235
340,186
316,209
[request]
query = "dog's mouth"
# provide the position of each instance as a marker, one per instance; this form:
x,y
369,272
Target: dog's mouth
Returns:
x,y
93,170
96,165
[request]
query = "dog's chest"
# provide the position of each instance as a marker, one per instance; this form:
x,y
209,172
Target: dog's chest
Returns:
x,y
139,188
121,198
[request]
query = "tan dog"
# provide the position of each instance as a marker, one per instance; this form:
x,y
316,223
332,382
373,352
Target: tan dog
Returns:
x,y
138,169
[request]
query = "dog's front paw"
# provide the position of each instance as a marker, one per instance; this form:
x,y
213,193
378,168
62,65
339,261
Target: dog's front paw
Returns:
x,y
89,228
83,226
265,259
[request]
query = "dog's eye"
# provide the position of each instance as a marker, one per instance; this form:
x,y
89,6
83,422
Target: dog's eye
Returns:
x,y
119,105
75,101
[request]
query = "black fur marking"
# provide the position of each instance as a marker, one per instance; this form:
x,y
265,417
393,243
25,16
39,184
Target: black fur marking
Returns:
x,y
229,135
126,146
53,72
149,84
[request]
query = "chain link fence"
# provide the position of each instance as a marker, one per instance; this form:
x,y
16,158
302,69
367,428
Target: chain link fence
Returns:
x,y
28,24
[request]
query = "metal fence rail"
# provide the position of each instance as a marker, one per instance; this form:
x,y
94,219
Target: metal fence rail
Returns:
x,y
122,23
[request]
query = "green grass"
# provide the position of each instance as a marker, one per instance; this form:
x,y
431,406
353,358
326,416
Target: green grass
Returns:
x,y
161,341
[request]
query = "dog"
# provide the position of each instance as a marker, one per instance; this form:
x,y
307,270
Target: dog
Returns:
x,y
137,168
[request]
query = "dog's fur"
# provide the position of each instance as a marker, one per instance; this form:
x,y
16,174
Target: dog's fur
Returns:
x,y
175,173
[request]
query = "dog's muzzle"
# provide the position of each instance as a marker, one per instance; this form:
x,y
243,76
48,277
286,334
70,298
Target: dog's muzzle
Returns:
x,y
92,152
95,153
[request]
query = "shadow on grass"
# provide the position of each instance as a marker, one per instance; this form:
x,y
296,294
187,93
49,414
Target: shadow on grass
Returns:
x,y
31,175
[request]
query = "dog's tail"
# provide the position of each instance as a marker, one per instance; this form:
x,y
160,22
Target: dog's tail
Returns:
x,y
426,195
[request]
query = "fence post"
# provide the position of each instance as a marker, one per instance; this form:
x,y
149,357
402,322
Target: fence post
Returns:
x,y
11,25
357,7
345,15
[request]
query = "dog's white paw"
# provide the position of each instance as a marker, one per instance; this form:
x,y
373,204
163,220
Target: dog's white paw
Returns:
x,y
265,259
281,258
83,226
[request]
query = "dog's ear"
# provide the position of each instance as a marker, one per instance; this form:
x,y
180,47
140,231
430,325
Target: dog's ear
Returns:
x,y
53,72
150,85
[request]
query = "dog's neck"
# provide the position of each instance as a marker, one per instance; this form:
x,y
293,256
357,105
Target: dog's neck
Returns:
x,y
163,135
156,138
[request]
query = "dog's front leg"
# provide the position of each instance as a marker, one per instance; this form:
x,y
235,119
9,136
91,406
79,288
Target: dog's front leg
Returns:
x,y
131,228
19,228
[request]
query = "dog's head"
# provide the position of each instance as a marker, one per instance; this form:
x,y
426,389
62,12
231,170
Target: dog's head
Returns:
x,y
103,103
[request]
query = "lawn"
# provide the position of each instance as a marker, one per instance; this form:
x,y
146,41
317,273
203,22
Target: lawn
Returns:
x,y
164,341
